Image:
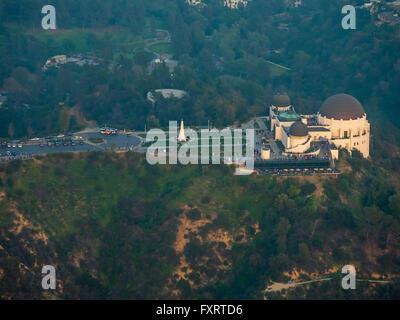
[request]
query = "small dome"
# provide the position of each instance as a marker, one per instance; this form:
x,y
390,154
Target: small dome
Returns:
x,y
298,129
342,106
281,100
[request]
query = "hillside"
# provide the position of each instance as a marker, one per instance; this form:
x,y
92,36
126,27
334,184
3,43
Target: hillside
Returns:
x,y
115,227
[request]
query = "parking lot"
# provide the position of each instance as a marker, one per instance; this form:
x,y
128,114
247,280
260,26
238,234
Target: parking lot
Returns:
x,y
80,142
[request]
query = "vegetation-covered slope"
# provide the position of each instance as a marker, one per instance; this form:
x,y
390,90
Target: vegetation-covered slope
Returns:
x,y
115,227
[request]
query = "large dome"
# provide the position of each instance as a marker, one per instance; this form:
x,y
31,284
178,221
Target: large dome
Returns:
x,y
281,100
298,129
342,106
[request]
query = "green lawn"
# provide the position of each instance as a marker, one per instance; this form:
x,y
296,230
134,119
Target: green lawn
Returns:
x,y
275,70
162,48
96,140
77,40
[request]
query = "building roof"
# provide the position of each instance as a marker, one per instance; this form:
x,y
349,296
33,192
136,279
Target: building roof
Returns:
x,y
288,116
281,100
167,93
298,129
318,129
342,106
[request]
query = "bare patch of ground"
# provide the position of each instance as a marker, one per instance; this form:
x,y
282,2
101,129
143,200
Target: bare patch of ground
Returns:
x,y
217,243
297,274
80,118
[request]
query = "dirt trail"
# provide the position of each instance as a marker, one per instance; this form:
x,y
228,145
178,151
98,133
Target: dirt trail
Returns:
x,y
276,286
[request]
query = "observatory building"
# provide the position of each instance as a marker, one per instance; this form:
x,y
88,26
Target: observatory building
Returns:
x,y
341,122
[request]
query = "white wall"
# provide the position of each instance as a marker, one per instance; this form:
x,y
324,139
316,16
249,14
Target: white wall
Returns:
x,y
349,134
299,145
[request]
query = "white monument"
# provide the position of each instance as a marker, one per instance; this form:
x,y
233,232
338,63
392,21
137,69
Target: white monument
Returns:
x,y
265,154
182,137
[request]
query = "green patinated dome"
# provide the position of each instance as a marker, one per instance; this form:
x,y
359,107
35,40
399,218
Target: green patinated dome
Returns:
x,y
289,116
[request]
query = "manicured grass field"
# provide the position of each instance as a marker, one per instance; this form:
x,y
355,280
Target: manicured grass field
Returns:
x,y
96,140
276,70
77,40
162,48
